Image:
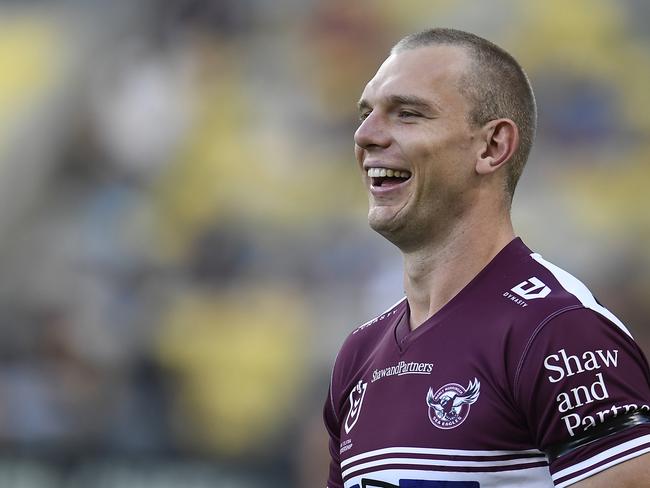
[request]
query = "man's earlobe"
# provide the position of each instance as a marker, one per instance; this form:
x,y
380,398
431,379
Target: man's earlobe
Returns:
x,y
501,139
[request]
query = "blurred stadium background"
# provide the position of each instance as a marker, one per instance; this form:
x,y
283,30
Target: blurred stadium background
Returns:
x,y
183,243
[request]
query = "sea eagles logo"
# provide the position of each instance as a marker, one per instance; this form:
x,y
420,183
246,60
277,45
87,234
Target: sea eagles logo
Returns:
x,y
356,400
449,406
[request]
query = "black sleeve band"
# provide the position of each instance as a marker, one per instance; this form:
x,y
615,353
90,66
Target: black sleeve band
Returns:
x,y
610,427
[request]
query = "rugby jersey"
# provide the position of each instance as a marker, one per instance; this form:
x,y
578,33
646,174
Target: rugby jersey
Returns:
x,y
522,379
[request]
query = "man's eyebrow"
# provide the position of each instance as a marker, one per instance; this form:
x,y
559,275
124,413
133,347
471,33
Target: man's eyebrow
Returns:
x,y
362,104
411,100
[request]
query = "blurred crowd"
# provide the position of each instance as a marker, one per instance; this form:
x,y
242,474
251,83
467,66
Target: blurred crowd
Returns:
x,y
183,244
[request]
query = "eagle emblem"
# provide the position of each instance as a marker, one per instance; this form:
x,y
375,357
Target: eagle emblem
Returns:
x,y
450,405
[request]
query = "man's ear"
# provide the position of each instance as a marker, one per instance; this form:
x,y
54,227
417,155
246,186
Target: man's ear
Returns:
x,y
501,139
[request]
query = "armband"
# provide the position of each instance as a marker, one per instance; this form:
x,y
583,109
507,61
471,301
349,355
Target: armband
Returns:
x,y
609,428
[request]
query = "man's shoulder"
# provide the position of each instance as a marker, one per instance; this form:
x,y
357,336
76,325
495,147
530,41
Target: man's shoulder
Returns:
x,y
540,292
540,289
520,292
554,290
533,285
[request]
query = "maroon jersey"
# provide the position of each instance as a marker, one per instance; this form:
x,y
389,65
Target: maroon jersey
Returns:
x,y
522,379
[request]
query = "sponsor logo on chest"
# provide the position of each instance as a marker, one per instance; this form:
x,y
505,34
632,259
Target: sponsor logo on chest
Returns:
x,y
400,369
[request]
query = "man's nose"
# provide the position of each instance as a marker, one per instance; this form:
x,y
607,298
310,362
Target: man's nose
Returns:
x,y
372,132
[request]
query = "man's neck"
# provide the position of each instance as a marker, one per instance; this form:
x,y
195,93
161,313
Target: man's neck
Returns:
x,y
435,273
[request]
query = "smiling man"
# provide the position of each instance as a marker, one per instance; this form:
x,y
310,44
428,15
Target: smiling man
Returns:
x,y
498,369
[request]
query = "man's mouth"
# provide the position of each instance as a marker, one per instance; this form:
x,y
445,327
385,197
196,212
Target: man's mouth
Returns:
x,y
387,177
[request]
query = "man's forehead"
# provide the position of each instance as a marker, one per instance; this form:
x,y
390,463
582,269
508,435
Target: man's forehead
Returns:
x,y
418,69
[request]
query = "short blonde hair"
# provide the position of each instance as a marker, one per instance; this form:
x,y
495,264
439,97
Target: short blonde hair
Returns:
x,y
496,86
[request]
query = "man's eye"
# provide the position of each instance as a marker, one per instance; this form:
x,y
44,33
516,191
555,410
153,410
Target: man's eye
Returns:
x,y
408,113
363,115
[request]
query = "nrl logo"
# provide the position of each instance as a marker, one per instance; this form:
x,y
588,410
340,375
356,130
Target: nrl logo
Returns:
x,y
450,405
356,400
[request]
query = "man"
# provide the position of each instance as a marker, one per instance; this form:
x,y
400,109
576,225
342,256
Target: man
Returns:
x,y
498,369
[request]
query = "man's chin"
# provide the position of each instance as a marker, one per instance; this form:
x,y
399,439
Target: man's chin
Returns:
x,y
386,225
395,227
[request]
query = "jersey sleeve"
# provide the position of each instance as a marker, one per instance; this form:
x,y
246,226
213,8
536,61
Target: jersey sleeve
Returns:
x,y
332,424
583,386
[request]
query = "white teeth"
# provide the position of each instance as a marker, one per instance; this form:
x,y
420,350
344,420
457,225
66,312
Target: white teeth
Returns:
x,y
383,172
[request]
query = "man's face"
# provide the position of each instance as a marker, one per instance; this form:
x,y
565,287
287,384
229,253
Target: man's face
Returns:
x,y
414,120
